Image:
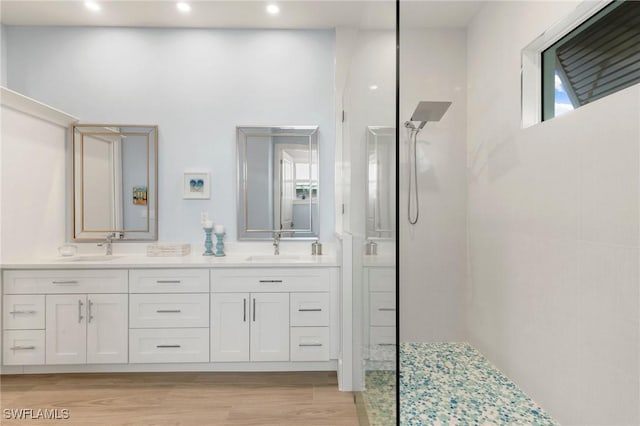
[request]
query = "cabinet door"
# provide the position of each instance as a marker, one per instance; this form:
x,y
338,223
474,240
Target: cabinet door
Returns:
x,y
66,329
230,327
269,327
107,328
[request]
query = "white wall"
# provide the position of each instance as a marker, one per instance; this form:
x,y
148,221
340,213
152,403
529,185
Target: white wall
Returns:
x,y
372,62
3,56
433,252
33,198
553,231
197,85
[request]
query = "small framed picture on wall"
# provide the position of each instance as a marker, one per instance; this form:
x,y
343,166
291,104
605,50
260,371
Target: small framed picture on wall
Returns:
x,y
196,185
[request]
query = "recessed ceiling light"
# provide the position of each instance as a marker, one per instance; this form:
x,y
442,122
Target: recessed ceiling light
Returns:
x,y
273,9
183,7
373,87
92,5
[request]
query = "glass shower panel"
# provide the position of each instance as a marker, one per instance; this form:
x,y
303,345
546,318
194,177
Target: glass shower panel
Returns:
x,y
369,153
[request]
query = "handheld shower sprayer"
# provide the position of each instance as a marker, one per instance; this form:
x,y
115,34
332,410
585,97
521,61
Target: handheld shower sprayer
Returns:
x,y
425,111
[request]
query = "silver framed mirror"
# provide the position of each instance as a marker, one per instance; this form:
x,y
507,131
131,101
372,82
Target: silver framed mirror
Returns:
x,y
277,184
114,183
381,182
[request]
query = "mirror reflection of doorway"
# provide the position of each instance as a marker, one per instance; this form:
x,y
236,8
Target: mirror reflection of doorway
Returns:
x,y
295,184
287,191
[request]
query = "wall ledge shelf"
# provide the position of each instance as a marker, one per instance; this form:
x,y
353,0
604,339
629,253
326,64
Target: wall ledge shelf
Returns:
x,y
27,105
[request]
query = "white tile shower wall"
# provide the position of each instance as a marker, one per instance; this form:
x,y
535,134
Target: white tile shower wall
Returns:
x,y
197,85
433,252
553,295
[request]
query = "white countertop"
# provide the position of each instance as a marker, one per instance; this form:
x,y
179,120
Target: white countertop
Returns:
x,y
125,261
380,260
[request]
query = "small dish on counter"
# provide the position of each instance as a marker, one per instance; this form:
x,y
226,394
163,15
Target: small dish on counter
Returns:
x,y
95,258
67,250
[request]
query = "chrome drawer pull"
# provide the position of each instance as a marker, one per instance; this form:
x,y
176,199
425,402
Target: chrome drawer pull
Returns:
x,y
22,348
386,309
270,281
386,344
244,310
168,346
23,312
65,282
168,281
168,311
310,310
310,344
254,310
80,310
89,314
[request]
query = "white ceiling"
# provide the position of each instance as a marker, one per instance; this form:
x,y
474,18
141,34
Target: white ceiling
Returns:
x,y
242,14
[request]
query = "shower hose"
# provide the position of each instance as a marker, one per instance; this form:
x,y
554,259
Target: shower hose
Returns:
x,y
413,177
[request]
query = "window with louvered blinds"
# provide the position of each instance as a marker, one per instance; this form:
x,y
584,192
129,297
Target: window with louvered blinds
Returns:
x,y
599,57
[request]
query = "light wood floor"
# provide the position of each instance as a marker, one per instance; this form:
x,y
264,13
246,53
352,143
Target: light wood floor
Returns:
x,y
301,399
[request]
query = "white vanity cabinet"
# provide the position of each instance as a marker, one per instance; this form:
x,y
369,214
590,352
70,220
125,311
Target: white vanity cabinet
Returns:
x,y
65,317
23,324
274,314
168,315
380,302
250,327
86,328
202,318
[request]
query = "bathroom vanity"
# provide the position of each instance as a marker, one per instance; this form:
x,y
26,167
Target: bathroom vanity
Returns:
x,y
98,313
136,313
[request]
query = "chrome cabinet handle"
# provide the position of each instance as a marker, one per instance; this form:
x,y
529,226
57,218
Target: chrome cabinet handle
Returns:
x,y
168,346
23,312
310,344
168,311
270,281
310,310
386,309
65,282
22,348
244,310
89,314
80,310
254,310
168,281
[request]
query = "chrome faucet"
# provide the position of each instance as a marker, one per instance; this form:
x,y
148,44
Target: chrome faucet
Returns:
x,y
108,243
276,242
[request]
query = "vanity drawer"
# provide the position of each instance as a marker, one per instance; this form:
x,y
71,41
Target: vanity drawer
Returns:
x,y
271,279
169,280
169,345
23,312
66,281
382,343
309,344
382,279
382,308
23,347
168,310
309,309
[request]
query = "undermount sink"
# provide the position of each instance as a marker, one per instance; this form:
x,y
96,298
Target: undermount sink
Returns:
x,y
273,258
96,258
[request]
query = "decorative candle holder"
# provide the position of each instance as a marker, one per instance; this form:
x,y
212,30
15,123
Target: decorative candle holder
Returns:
x,y
208,243
219,245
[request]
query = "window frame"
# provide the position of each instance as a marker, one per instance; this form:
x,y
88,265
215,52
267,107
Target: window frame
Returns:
x,y
531,59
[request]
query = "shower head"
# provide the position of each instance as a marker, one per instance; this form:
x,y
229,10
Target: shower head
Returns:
x,y
428,111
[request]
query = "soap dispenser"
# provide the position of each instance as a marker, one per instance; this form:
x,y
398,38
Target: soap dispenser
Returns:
x,y
316,248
